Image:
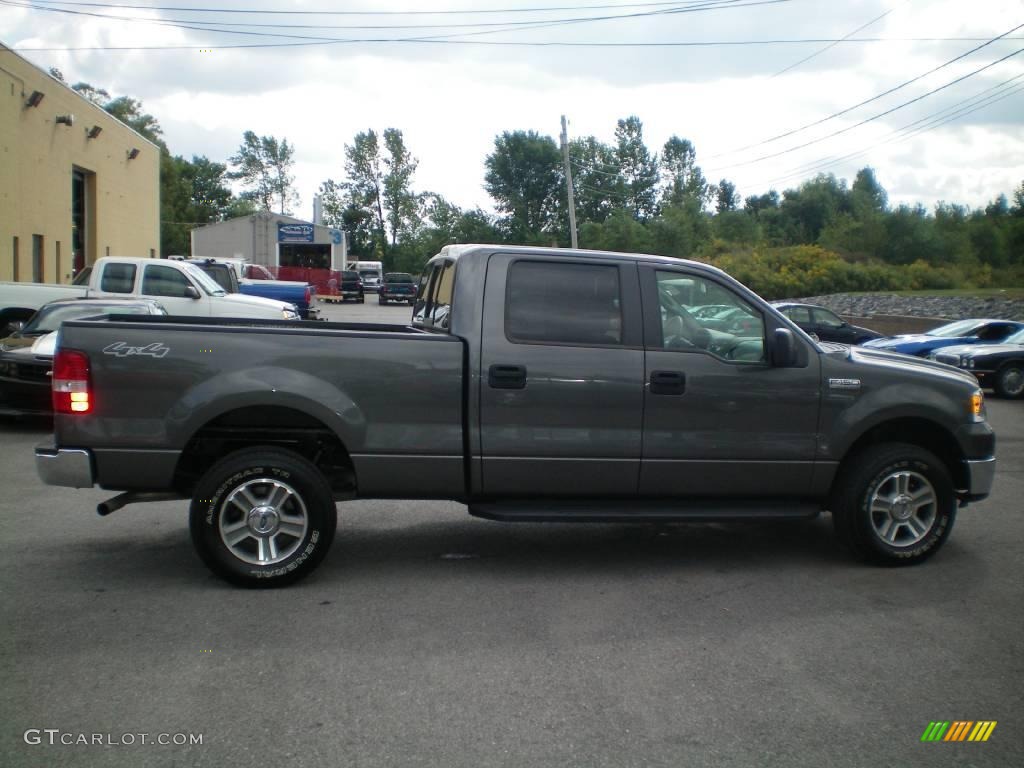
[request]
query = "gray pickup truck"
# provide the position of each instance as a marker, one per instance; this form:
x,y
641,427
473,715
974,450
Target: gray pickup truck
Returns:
x,y
531,384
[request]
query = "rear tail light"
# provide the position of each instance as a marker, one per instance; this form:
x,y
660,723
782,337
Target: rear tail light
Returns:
x,y
308,294
71,382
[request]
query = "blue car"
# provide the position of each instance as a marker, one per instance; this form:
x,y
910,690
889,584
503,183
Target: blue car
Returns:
x,y
959,332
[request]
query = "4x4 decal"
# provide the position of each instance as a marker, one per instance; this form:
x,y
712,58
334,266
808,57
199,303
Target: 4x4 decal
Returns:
x,y
120,349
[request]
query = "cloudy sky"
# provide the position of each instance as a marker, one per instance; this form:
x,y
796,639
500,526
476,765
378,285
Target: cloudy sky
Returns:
x,y
757,110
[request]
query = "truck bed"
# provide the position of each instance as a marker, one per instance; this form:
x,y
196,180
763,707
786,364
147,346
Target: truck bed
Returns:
x,y
392,394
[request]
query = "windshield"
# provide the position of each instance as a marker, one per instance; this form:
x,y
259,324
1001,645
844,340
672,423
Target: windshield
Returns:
x,y
398,278
952,330
206,282
48,319
1017,338
368,273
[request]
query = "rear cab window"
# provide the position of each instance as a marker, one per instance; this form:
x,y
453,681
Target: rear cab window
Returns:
x,y
433,307
118,278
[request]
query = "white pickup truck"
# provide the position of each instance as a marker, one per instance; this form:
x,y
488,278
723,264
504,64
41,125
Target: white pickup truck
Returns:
x,y
182,288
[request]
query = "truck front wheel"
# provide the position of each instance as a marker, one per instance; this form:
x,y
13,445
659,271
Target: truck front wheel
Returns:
x,y
262,517
894,504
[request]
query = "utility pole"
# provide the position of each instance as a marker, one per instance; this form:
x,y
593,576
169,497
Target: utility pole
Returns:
x,y
568,181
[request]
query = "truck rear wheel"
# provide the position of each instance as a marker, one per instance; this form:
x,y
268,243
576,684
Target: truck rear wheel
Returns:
x,y
894,504
262,517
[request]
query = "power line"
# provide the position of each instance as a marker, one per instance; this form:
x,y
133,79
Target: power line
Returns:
x,y
873,117
215,26
539,9
866,101
309,41
534,44
922,125
833,45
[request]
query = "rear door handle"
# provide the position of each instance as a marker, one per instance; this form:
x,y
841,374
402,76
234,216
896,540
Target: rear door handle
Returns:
x,y
668,383
507,376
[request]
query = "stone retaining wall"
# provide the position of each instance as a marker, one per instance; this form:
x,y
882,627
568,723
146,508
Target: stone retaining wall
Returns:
x,y
893,314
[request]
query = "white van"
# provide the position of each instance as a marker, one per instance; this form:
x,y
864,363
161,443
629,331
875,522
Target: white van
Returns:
x,y
371,272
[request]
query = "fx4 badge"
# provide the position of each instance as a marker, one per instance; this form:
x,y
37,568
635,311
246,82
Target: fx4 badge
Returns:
x,y
120,349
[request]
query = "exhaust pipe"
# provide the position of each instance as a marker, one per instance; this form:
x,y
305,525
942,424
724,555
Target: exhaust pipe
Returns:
x,y
134,497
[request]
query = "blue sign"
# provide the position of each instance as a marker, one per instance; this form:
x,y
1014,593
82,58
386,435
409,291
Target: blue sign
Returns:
x,y
294,233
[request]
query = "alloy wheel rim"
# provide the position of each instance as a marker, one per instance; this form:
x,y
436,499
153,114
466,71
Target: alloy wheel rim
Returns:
x,y
263,521
903,508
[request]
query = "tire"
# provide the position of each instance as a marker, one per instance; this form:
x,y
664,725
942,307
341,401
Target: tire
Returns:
x,y
914,504
1009,381
362,299
381,300
278,482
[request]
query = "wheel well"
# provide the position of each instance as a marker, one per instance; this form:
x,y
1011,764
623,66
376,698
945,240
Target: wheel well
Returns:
x,y
266,425
1013,361
922,433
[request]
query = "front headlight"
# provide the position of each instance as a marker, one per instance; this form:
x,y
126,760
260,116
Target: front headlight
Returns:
x,y
977,406
289,314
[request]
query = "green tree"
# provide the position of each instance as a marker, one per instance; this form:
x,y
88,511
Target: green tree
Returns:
x,y
638,169
525,179
98,96
263,164
399,199
597,179
365,187
682,178
726,197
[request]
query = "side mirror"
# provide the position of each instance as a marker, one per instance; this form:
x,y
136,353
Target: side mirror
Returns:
x,y
191,292
784,353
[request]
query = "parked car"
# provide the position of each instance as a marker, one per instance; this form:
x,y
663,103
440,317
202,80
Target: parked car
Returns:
x,y
397,286
824,323
182,288
959,332
531,384
26,356
227,273
999,366
351,286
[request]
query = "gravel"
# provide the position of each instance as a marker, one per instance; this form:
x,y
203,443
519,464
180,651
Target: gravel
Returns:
x,y
948,307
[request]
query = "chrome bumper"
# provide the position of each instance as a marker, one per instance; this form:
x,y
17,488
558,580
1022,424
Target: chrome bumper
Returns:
x,y
71,467
980,474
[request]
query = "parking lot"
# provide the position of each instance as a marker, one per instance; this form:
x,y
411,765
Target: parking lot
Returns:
x,y
430,638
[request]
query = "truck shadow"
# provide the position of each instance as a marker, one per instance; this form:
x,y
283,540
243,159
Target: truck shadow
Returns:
x,y
554,548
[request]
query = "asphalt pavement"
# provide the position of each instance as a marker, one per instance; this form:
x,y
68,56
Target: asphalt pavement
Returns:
x,y
430,638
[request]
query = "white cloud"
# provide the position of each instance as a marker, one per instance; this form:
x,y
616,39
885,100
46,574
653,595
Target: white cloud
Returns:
x,y
450,101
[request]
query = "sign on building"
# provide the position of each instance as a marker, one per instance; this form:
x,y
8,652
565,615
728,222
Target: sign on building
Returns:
x,y
294,233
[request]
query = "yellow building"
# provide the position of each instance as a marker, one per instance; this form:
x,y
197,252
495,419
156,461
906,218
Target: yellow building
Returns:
x,y
75,183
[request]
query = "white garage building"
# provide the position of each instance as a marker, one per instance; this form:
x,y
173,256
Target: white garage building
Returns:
x,y
273,240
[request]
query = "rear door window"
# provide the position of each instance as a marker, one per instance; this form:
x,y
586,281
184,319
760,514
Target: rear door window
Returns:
x,y
563,303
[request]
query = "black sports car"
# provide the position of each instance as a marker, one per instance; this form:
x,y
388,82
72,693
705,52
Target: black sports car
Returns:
x,y
1000,366
825,323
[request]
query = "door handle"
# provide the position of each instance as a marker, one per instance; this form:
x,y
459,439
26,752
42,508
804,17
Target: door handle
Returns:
x,y
507,376
668,383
